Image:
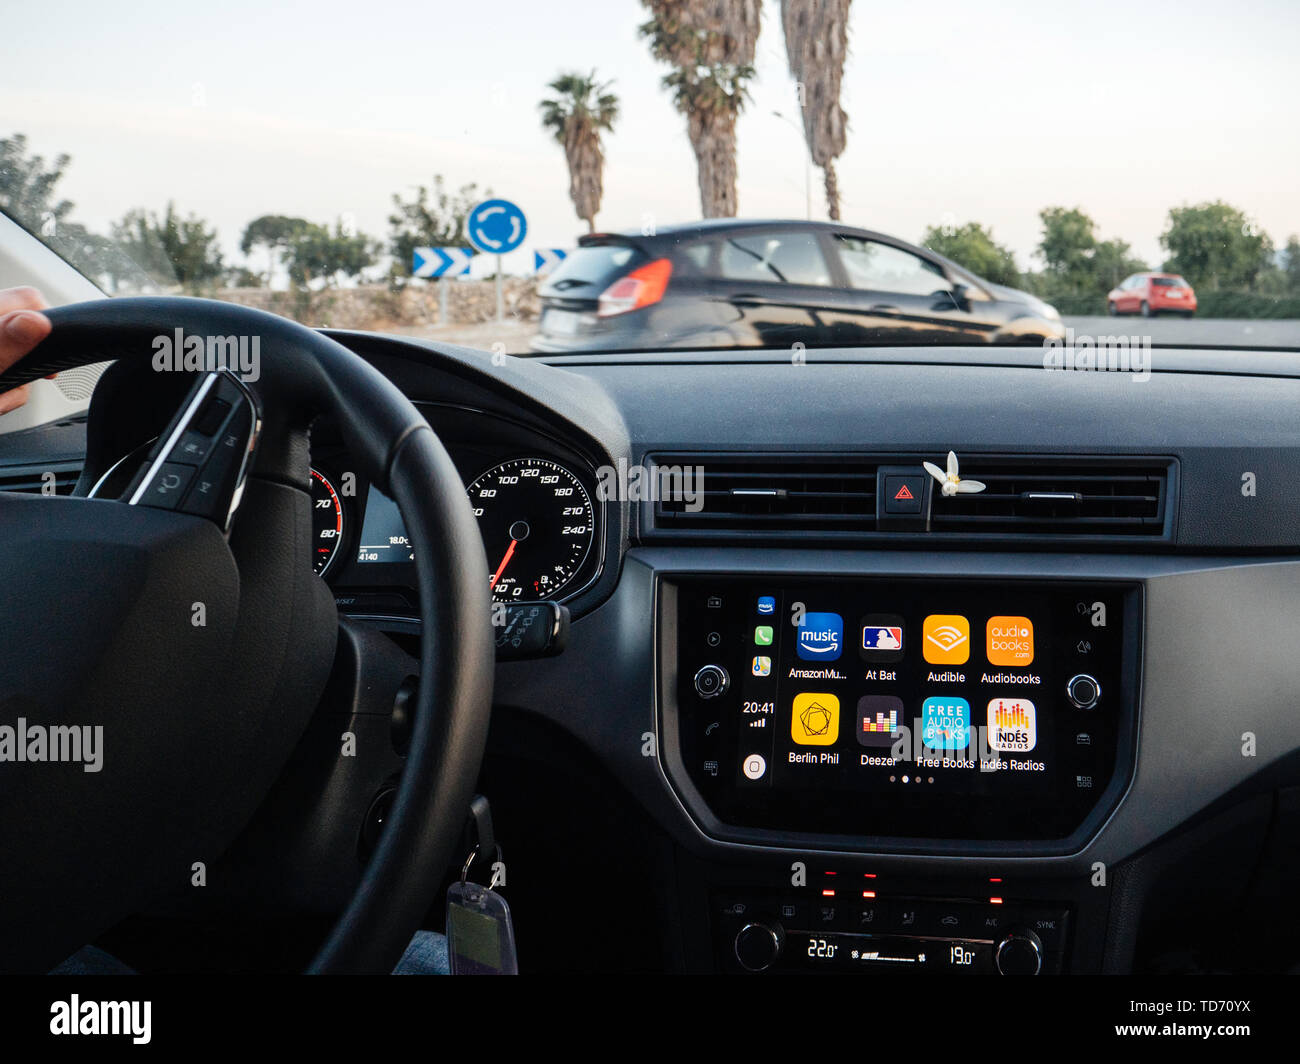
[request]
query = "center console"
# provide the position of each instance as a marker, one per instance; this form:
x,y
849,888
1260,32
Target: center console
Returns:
x,y
989,719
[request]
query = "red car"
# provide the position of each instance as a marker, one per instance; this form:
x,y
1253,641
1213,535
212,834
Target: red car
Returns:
x,y
1150,294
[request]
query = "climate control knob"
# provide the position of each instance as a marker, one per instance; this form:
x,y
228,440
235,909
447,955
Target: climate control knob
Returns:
x,y
1083,690
758,946
1020,953
711,681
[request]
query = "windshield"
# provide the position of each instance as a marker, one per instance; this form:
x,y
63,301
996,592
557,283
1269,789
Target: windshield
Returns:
x,y
633,175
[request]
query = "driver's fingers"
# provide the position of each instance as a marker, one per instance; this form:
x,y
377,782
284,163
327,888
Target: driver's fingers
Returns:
x,y
22,327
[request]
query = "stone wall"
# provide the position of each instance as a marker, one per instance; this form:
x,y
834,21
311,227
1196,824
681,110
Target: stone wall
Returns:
x,y
381,308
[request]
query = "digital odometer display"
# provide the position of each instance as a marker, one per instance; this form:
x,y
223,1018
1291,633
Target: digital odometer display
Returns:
x,y
538,526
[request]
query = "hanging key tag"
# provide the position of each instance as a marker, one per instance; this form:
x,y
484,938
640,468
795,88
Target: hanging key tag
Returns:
x,y
480,934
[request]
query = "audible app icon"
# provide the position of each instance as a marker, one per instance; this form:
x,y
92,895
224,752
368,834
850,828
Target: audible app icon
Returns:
x,y
815,720
1010,641
945,639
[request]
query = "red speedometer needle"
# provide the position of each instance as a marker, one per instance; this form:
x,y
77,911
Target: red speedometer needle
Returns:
x,y
510,553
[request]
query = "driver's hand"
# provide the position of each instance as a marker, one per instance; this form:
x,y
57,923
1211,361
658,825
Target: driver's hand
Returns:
x,y
22,327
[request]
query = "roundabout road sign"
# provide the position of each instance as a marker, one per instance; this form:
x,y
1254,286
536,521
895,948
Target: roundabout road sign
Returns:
x,y
496,226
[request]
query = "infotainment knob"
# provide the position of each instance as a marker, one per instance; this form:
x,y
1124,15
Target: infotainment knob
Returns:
x,y
1020,953
1083,690
759,945
711,681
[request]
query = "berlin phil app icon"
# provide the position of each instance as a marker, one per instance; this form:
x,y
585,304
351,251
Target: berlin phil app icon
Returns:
x,y
881,639
821,637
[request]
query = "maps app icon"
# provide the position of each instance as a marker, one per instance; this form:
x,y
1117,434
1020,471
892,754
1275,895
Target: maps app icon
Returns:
x,y
882,638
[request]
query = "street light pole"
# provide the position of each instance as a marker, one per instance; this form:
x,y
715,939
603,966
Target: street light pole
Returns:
x,y
807,165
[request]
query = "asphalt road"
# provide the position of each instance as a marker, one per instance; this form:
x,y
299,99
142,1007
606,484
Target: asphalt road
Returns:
x,y
1212,332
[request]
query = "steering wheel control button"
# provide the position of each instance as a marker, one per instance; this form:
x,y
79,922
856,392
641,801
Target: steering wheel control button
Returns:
x,y
193,448
1083,691
168,486
711,681
754,766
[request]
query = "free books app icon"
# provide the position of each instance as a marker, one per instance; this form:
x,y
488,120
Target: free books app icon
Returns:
x,y
815,719
946,639
879,718
821,637
945,723
1013,725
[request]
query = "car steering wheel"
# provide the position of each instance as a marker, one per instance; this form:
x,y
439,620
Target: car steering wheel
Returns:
x,y
201,642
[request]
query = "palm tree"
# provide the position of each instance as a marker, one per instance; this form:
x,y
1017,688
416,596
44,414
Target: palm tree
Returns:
x,y
710,44
816,43
581,110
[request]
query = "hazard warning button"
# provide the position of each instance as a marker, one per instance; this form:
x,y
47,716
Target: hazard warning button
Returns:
x,y
903,494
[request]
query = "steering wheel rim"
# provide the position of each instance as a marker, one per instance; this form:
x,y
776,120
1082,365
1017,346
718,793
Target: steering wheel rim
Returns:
x,y
303,374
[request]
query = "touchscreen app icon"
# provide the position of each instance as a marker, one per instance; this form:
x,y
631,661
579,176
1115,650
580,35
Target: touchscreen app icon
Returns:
x,y
815,720
946,639
762,665
763,635
766,605
821,637
882,638
1010,641
879,718
1013,725
945,723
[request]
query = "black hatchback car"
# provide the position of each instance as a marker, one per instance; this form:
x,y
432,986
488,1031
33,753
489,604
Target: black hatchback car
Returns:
x,y
730,283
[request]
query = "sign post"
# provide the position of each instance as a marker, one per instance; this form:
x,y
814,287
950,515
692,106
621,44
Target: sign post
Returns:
x,y
496,227
441,263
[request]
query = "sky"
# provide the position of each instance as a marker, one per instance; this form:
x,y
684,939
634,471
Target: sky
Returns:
x,y
957,112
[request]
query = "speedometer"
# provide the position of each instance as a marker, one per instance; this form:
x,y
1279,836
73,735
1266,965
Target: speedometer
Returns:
x,y
326,522
538,526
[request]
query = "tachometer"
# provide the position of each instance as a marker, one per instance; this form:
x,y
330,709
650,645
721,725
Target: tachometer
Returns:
x,y
538,526
326,522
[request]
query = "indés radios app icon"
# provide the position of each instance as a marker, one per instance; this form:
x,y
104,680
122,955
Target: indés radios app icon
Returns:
x,y
1012,725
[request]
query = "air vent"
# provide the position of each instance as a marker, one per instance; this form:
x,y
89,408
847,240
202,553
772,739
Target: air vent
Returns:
x,y
34,479
781,494
1058,496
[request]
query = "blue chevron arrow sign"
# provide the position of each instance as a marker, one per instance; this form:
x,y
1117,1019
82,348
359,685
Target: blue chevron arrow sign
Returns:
x,y
546,259
441,262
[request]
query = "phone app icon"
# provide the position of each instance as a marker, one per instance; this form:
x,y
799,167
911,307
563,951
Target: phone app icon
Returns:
x,y
1010,641
821,637
945,639
815,720
763,635
766,605
1013,725
945,723
879,718
762,665
882,638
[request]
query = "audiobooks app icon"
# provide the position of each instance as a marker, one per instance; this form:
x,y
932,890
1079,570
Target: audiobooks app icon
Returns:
x,y
945,639
1010,641
1013,725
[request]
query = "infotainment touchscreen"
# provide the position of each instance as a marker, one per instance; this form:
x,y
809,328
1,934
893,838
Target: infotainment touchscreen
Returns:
x,y
907,708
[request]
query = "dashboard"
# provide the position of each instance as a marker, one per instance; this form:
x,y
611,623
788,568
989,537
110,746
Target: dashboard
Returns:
x,y
808,721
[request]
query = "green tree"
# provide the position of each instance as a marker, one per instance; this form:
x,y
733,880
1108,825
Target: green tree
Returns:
x,y
317,253
171,249
816,45
576,116
1215,246
273,233
1291,265
1078,269
1069,237
973,246
431,218
710,45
